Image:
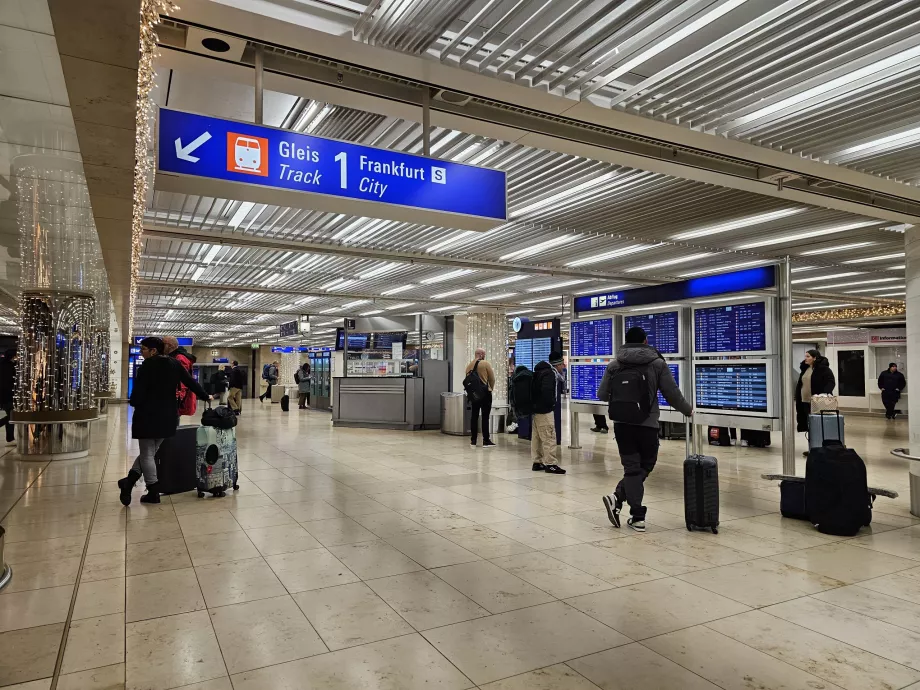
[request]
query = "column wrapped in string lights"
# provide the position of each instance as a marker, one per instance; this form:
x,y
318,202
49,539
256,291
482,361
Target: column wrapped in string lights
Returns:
x,y
53,401
488,329
101,359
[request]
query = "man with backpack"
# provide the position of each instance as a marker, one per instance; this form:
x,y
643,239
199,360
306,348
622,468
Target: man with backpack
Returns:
x,y
269,374
479,382
237,382
630,385
547,377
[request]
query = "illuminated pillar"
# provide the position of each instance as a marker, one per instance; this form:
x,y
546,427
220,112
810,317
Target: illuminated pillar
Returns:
x,y
488,329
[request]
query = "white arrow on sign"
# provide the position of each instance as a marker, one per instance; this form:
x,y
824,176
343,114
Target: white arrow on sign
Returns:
x,y
184,152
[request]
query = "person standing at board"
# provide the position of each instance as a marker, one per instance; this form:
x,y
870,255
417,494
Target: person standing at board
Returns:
x,y
547,377
891,382
816,379
483,406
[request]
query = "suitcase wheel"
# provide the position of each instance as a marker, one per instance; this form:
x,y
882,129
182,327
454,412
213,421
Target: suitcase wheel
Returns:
x,y
236,487
201,494
715,531
689,527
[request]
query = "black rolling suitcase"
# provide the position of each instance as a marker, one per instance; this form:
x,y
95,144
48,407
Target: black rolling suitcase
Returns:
x,y
176,461
836,490
285,402
755,438
701,489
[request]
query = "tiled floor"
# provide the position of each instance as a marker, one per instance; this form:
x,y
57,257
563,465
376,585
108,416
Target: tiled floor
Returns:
x,y
355,559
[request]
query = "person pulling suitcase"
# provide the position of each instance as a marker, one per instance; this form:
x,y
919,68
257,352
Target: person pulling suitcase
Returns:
x,y
631,384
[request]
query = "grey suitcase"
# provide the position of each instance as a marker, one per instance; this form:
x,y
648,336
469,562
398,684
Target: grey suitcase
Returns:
x,y
825,426
701,490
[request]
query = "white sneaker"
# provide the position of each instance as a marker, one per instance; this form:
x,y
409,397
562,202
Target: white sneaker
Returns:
x,y
472,445
512,428
636,524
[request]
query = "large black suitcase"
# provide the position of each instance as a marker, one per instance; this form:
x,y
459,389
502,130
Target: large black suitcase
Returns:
x,y
285,402
836,490
176,461
755,438
701,490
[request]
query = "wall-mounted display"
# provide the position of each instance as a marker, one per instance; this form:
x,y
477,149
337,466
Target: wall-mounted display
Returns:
x,y
591,338
743,387
662,329
584,380
675,372
733,329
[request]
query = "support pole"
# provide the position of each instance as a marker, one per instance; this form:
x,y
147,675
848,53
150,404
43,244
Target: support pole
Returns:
x,y
426,121
259,59
787,392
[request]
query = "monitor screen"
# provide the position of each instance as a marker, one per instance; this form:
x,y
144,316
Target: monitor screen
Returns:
x,y
523,353
663,330
730,387
592,338
585,380
675,372
385,340
356,341
731,328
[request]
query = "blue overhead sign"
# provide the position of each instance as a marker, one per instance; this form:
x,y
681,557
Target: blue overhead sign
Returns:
x,y
706,286
216,149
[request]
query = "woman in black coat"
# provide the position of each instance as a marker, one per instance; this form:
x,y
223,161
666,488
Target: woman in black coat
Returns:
x,y
816,379
156,413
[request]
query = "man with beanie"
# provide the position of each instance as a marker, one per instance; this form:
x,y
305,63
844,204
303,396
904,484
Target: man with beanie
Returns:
x,y
891,382
546,378
637,439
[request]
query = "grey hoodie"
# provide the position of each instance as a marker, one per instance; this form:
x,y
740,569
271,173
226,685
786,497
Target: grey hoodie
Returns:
x,y
659,378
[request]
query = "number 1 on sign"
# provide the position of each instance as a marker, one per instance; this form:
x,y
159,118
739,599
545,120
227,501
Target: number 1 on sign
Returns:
x,y
342,159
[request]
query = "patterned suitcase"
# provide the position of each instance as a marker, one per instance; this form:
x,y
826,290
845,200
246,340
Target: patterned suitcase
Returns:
x,y
216,460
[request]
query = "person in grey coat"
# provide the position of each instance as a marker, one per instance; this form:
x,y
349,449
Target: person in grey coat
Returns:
x,y
638,442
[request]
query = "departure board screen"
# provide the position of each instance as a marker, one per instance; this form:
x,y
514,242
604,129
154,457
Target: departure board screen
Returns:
x,y
592,338
356,341
385,340
523,353
732,387
585,380
731,328
675,372
662,330
541,349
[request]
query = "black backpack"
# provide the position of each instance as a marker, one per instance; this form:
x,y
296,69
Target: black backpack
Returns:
x,y
522,390
630,401
221,417
476,389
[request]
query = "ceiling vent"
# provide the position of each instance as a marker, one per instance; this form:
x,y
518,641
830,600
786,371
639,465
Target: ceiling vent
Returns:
x,y
452,97
214,44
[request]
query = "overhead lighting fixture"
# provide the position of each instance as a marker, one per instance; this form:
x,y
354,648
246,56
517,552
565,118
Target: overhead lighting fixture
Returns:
x,y
542,299
885,257
656,307
719,269
839,248
722,299
556,286
400,306
858,282
824,306
212,253
272,279
380,270
808,234
444,141
452,306
669,262
241,212
198,273
453,240
615,254
537,248
503,295
304,300
894,294
520,311
285,307
548,314
800,269
745,222
305,116
335,284
874,289
318,119
447,276
354,304
501,281
899,140
397,290
441,295
565,194
817,279
372,313
604,288
177,302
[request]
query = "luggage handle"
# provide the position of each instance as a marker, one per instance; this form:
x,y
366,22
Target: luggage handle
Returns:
x,y
831,442
688,421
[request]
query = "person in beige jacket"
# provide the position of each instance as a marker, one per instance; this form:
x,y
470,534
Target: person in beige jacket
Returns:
x,y
482,407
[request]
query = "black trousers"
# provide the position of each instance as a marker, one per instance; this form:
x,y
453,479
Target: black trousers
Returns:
x,y
600,421
638,446
481,408
6,422
267,393
890,401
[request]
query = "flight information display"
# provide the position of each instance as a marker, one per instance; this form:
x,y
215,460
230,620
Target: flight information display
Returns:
x,y
731,328
732,387
662,330
385,340
592,338
356,341
675,372
532,351
585,380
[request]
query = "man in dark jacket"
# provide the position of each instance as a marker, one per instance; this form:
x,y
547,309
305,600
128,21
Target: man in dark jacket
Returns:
x,y
220,380
891,382
546,377
237,383
156,413
638,442
7,389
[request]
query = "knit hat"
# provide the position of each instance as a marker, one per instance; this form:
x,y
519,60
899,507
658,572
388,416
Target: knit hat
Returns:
x,y
892,364
556,358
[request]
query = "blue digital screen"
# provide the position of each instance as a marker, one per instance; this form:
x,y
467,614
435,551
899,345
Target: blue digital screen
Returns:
x,y
285,350
541,350
675,372
662,330
209,147
731,328
732,387
523,353
356,341
592,338
184,341
585,380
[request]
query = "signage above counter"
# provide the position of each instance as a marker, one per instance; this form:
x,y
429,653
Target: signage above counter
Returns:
x,y
270,165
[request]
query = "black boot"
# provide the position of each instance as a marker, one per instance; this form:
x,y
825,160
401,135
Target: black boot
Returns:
x,y
152,495
126,485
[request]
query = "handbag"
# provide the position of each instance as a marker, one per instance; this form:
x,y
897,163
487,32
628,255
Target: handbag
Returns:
x,y
821,403
220,417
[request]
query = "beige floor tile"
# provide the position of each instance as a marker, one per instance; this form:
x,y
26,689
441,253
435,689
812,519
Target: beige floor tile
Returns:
x,y
761,582
903,585
519,507
100,598
106,542
357,506
385,525
95,642
575,527
836,662
172,652
156,556
484,542
162,594
215,523
35,607
153,530
42,574
220,548
400,500
493,588
901,542
634,666
306,570
691,544
636,548
43,550
732,537
107,525
425,600
214,684
105,678
844,562
732,665
551,575
313,510
477,512
877,605
29,654
46,530
533,535
270,541
338,531
432,550
558,677
403,663
436,518
511,643
262,633
656,607
604,565
234,582
371,559
266,516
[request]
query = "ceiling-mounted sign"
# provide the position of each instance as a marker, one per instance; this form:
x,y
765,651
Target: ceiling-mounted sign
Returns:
x,y
288,329
200,154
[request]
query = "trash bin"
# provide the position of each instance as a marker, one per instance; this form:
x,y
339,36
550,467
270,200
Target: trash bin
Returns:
x,y
455,414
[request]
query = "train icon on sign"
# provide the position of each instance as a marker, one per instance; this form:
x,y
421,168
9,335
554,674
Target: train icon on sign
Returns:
x,y
247,154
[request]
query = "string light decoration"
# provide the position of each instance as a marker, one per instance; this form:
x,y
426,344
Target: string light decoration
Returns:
x,y
848,313
488,330
151,10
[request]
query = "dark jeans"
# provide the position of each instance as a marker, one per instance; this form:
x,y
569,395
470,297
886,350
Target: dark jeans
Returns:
x,y
303,399
267,393
6,422
638,447
600,421
484,408
890,401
